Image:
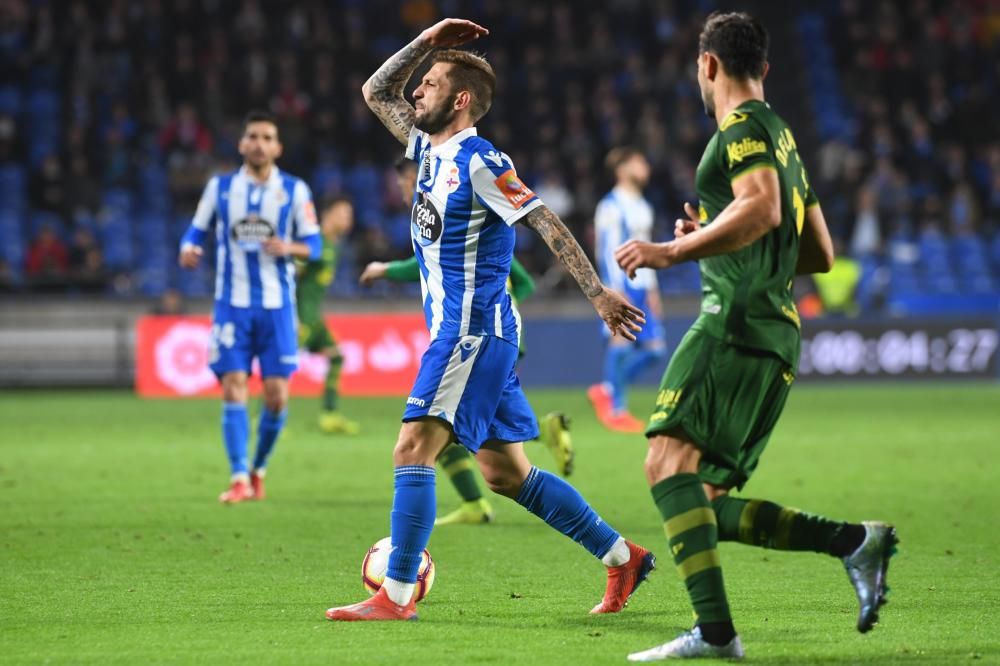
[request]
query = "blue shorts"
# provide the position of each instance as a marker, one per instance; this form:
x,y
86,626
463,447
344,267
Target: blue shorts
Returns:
x,y
240,334
470,383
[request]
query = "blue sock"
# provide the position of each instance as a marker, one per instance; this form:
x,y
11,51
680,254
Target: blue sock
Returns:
x,y
413,507
235,433
268,428
640,359
614,373
562,507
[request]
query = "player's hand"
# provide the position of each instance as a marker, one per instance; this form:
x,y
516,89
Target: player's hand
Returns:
x,y
453,32
637,254
622,317
684,227
373,271
190,256
276,247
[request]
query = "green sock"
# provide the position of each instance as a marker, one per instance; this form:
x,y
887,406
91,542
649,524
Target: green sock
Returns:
x,y
456,461
332,382
765,524
692,534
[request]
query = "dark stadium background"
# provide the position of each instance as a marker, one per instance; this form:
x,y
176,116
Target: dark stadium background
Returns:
x,y
113,114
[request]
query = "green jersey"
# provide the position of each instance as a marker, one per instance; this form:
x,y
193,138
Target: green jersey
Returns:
x,y
747,294
315,277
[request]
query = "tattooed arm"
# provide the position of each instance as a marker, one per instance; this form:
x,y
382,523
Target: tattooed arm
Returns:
x,y
621,316
384,90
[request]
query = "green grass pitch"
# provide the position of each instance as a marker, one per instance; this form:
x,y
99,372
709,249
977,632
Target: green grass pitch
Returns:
x,y
114,550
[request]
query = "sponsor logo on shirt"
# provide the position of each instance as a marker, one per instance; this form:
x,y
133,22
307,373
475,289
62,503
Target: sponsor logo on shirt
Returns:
x,y
416,402
738,150
516,192
308,212
251,231
425,221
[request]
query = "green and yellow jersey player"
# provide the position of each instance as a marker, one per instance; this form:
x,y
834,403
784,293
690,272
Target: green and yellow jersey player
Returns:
x,y
456,460
336,220
758,225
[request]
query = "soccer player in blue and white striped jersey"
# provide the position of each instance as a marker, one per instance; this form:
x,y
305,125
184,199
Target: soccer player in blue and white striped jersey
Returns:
x,y
468,196
263,219
623,214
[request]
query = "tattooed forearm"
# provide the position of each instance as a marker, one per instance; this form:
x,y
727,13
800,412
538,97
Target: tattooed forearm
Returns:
x,y
567,250
384,90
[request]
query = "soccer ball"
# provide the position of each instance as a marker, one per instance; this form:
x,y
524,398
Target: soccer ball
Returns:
x,y
376,563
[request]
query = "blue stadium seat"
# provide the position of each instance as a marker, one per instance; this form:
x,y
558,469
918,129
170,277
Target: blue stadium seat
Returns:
x,y
327,179
195,283
117,201
11,100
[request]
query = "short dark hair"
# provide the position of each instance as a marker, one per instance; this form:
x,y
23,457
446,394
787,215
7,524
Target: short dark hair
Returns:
x,y
619,155
328,202
470,71
403,165
259,116
739,41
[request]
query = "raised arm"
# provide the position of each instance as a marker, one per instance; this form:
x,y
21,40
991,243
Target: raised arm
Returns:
x,y
384,90
621,316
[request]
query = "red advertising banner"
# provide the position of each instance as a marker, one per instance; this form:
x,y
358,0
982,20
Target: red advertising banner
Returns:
x,y
381,356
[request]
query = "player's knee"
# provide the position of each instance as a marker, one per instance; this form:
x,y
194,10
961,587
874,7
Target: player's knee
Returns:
x,y
668,456
412,449
234,387
502,481
275,396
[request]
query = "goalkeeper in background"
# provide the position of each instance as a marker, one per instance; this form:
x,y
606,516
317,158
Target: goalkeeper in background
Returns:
x,y
315,276
456,460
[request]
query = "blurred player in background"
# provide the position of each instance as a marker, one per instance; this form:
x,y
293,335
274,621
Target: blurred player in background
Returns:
x,y
624,214
759,224
456,460
264,219
468,197
336,219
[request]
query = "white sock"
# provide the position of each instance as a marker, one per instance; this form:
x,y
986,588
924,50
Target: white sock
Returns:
x,y
240,476
400,593
618,555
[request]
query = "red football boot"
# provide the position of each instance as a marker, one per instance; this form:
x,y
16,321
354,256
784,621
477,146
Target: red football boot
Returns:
x,y
623,422
601,400
257,485
379,607
625,579
239,491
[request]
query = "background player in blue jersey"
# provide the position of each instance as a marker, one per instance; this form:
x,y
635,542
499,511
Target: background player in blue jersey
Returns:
x,y
468,196
624,214
263,219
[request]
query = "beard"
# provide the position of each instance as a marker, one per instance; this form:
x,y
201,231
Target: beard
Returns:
x,y
434,120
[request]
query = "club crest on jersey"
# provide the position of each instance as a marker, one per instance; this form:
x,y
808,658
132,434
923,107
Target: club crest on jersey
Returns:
x,y
425,221
251,231
516,192
453,180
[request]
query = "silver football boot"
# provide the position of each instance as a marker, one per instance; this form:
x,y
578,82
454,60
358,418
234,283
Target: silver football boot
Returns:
x,y
690,645
867,567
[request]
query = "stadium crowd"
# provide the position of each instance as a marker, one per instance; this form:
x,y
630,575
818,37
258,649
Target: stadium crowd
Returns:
x,y
113,115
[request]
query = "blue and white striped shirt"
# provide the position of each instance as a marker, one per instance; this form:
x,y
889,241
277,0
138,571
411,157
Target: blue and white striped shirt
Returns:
x,y
621,216
467,197
247,213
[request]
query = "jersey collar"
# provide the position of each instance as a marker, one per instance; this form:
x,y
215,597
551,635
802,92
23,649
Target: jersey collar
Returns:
x,y
455,139
273,179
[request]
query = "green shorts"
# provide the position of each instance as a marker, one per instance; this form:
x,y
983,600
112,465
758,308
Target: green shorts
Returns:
x,y
313,333
726,400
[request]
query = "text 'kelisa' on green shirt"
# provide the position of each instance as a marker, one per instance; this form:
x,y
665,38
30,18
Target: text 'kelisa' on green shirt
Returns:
x,y
747,294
